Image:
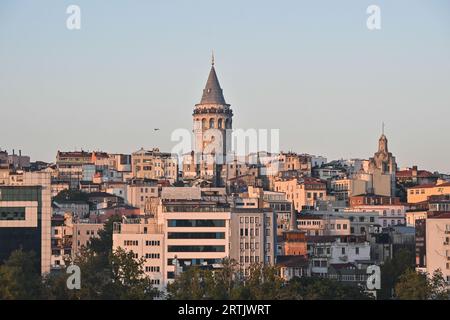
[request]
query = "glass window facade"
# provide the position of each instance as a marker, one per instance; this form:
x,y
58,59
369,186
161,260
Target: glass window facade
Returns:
x,y
196,235
196,249
195,223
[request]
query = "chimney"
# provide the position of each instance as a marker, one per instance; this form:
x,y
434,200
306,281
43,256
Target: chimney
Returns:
x,y
20,153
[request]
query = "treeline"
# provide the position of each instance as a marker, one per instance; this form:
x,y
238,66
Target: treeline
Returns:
x,y
262,283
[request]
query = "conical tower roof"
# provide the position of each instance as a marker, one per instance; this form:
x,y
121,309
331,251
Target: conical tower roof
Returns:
x,y
212,94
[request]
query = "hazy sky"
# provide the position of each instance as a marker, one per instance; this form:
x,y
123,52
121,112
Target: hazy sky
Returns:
x,y
310,68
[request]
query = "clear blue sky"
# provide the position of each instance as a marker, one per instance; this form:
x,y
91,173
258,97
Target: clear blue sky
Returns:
x,y
310,68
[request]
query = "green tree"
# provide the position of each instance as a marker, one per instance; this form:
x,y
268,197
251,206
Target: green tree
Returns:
x,y
20,277
412,285
105,274
392,269
316,288
190,285
71,195
439,287
263,283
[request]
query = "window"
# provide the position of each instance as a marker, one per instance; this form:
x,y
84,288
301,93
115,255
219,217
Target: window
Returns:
x,y
12,213
343,250
196,223
196,235
356,250
196,248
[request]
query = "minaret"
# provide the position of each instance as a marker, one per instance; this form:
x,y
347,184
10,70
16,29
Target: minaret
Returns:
x,y
212,120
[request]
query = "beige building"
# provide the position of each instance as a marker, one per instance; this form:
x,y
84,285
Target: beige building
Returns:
x,y
253,237
302,191
153,164
145,239
422,192
140,192
438,244
83,232
25,217
345,188
412,216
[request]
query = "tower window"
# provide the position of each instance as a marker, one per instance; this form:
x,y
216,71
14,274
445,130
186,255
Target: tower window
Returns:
x,y
219,123
211,123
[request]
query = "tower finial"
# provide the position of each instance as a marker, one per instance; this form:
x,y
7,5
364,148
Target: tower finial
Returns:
x,y
382,127
212,58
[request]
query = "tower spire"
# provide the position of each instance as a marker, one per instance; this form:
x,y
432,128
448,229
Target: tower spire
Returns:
x,y
212,94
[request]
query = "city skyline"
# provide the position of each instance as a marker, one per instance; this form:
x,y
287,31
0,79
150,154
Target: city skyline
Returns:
x,y
133,79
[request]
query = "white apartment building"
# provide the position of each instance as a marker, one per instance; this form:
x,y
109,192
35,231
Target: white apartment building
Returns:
x,y
321,225
196,228
388,215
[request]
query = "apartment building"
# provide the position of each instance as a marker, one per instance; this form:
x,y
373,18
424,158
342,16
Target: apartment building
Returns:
x,y
259,198
361,223
61,239
437,244
388,215
344,189
25,217
140,191
153,164
196,227
253,237
69,165
325,251
145,238
83,232
421,193
303,192
323,224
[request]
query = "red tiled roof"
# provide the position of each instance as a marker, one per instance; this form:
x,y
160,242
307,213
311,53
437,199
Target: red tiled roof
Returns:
x,y
409,173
